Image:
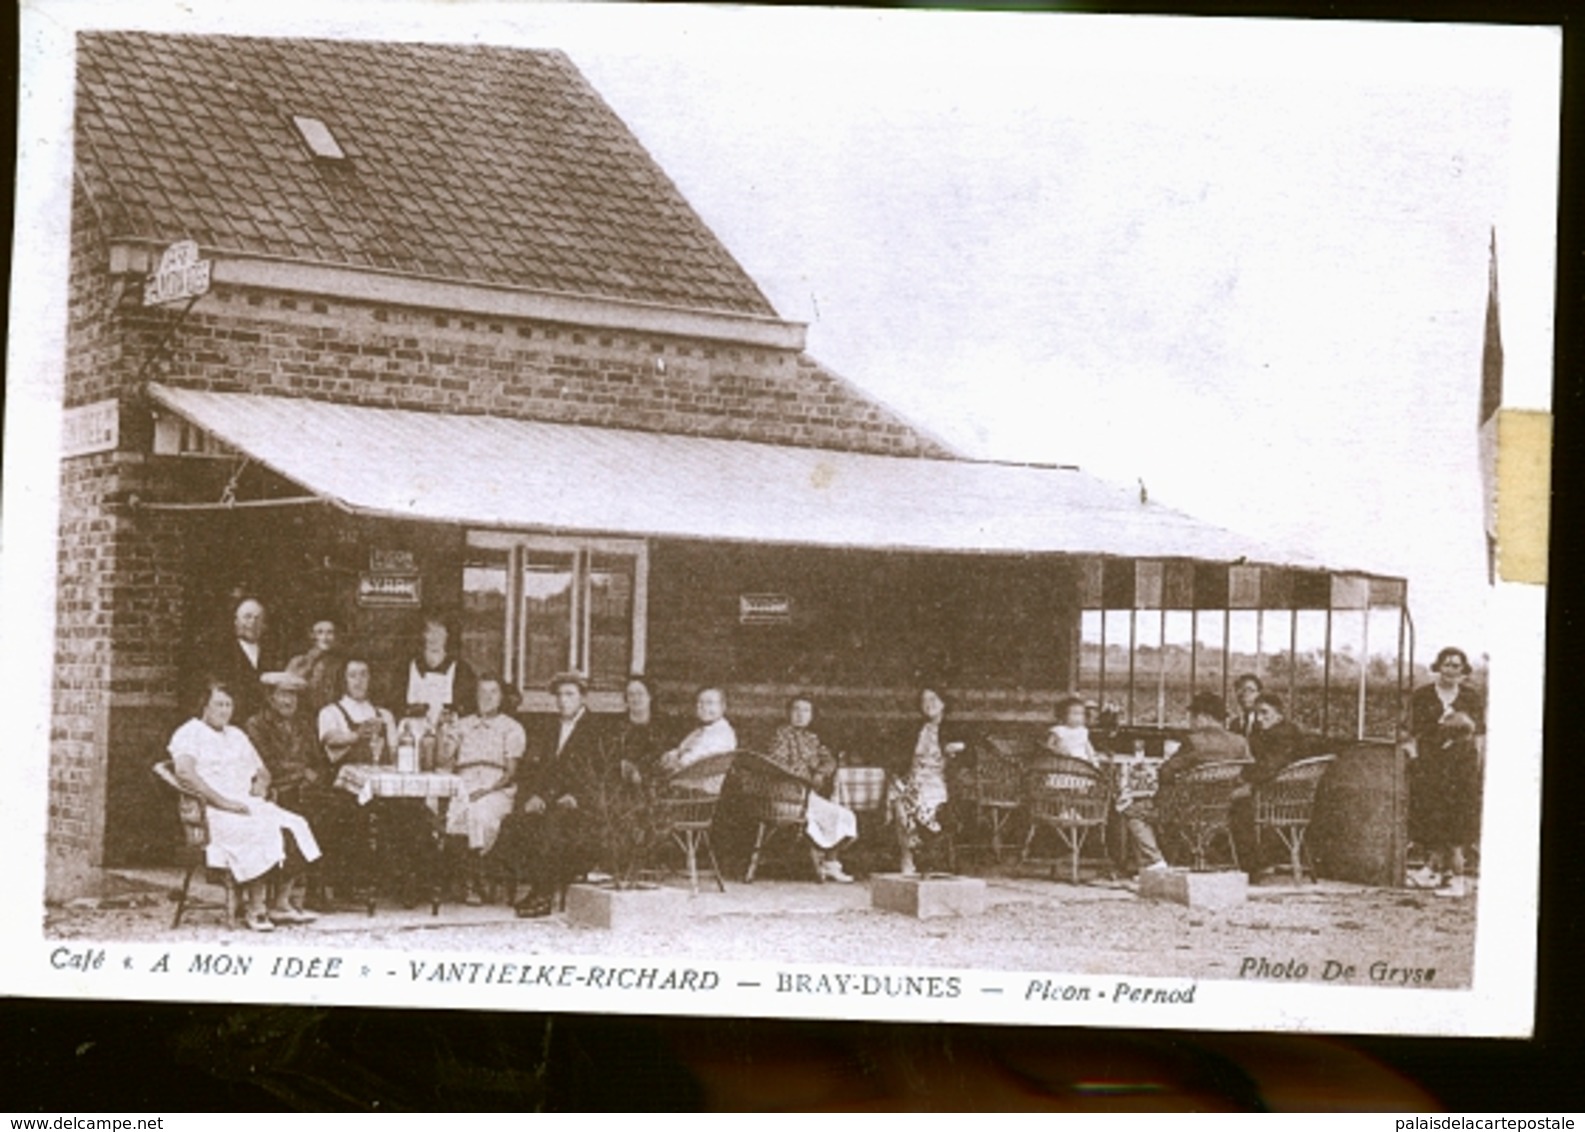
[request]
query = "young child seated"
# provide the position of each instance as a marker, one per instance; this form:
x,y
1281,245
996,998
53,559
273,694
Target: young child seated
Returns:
x,y
1070,735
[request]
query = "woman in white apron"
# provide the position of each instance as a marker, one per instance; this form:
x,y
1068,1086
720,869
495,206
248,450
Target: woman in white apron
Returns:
x,y
247,834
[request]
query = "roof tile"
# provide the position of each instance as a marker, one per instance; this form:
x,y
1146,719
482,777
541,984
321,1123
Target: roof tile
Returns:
x,y
492,164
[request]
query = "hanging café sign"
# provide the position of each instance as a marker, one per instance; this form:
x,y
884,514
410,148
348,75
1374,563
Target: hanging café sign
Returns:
x,y
180,275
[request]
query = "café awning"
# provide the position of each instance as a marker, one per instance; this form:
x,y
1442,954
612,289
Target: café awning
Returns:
x,y
505,473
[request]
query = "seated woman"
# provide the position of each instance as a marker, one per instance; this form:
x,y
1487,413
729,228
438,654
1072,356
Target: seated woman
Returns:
x,y
915,801
1275,742
1070,735
247,835
353,729
356,731
829,826
713,736
490,745
639,737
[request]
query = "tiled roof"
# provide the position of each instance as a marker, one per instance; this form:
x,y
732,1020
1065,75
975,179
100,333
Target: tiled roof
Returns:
x,y
483,164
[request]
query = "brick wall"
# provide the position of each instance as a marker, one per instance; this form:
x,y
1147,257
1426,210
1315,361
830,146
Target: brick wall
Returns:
x,y
81,673
85,553
119,600
258,341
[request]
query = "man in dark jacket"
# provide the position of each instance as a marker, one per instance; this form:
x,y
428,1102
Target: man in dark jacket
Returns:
x,y
302,780
1208,741
1246,719
242,658
550,839
1275,743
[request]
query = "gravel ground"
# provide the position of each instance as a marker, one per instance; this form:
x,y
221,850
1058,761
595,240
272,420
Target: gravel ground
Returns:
x,y
1031,924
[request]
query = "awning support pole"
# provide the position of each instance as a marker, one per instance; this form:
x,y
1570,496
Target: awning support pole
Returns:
x,y
1161,670
1101,694
1133,648
1364,667
1326,677
1293,660
1227,647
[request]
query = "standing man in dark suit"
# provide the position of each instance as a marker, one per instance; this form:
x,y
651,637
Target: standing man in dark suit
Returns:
x,y
550,839
243,658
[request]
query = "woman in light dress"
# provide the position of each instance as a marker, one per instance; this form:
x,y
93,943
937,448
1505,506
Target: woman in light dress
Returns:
x,y
490,745
915,801
247,834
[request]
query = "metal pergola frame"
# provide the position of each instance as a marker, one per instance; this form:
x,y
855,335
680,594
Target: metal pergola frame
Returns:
x,y
1275,590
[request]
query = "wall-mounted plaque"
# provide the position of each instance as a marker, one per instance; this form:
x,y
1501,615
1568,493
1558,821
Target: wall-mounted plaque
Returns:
x,y
386,561
390,590
180,274
91,428
764,609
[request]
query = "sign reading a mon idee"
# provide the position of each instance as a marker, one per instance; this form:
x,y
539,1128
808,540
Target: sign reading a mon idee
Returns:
x,y
179,275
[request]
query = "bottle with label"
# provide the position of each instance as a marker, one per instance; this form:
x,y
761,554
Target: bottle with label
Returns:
x,y
449,743
406,749
426,751
374,730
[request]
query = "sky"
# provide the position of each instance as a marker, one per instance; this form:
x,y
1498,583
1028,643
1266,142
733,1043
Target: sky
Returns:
x,y
1262,295
1242,262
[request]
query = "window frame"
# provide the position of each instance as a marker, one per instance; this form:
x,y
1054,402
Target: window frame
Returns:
x,y
518,545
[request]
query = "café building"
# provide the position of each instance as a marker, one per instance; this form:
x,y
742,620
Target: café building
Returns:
x,y
375,331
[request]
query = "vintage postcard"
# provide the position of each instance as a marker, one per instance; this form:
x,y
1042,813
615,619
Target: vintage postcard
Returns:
x,y
897,515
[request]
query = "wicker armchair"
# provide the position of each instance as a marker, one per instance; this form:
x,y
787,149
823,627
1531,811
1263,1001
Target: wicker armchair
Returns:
x,y
772,797
1194,809
191,811
995,791
1283,806
1071,798
684,811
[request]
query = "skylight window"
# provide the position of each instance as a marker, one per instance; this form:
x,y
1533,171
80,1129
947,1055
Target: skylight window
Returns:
x,y
318,137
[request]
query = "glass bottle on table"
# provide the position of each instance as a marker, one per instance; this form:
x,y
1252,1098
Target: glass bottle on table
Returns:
x,y
448,744
374,731
406,748
427,743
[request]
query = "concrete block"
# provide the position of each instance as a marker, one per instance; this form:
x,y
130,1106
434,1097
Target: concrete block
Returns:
x,y
928,896
617,909
1197,890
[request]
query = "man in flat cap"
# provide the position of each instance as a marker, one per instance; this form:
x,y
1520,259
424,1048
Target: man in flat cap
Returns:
x,y
301,777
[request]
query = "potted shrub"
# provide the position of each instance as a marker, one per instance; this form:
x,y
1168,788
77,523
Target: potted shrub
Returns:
x,y
626,828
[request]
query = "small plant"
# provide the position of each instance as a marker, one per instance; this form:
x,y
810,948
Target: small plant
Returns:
x,y
624,821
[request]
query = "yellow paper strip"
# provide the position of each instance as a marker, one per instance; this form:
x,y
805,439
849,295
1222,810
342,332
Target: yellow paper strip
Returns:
x,y
1524,490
